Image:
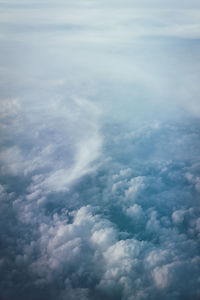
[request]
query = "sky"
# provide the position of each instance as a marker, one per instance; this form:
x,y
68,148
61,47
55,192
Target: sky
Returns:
x,y
100,147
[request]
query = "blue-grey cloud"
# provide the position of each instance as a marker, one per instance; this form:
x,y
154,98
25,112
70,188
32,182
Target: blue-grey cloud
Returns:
x,y
132,231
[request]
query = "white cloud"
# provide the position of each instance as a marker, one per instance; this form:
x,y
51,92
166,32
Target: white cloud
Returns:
x,y
161,276
134,211
63,138
178,216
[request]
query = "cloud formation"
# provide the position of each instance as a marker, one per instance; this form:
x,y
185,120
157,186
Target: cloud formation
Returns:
x,y
131,233
100,173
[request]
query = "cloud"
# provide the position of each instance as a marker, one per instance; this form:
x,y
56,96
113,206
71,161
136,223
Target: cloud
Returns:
x,y
99,194
62,143
110,243
109,50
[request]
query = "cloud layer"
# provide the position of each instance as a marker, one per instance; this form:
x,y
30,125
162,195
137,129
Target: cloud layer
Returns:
x,y
99,158
128,231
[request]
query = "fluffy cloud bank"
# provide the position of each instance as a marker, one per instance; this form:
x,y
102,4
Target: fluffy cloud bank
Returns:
x,y
130,230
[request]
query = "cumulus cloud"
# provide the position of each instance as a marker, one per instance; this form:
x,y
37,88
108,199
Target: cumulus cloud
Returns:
x,y
141,244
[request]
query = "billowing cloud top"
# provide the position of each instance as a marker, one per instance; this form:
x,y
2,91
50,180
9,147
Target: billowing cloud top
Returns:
x,y
99,157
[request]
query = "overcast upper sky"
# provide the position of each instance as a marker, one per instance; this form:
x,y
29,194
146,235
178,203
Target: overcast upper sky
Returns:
x,y
100,145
